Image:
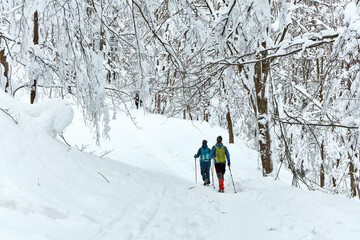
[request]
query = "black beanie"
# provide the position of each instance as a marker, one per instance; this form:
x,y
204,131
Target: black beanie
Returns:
x,y
204,142
219,139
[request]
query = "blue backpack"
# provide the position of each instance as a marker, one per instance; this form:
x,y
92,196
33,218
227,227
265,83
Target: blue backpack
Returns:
x,y
205,155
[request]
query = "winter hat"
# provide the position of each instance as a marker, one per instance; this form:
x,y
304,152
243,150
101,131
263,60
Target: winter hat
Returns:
x,y
204,142
219,139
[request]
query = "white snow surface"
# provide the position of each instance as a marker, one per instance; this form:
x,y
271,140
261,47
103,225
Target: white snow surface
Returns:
x,y
144,188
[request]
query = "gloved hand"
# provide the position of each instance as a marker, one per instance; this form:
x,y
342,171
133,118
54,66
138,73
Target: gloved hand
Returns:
x,y
228,165
194,155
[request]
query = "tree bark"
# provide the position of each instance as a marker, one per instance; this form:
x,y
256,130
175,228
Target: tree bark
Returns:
x,y
158,104
36,42
322,170
206,116
36,28
353,184
33,92
6,68
230,127
260,77
228,118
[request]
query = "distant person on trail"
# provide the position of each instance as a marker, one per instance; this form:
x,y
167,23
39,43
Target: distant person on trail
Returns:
x,y
205,164
220,153
138,102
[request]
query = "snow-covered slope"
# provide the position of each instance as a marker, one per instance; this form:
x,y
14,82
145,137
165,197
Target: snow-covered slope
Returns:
x,y
51,191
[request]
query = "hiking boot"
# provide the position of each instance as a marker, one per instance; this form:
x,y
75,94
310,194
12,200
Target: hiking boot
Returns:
x,y
221,190
206,182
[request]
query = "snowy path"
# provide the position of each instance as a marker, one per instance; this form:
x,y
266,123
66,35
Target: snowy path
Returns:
x,y
262,207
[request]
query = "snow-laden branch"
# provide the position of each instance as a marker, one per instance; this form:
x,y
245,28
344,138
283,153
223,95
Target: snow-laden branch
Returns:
x,y
285,48
14,9
286,121
108,25
307,95
168,48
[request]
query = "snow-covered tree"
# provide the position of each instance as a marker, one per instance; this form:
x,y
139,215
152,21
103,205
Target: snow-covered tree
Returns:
x,y
282,75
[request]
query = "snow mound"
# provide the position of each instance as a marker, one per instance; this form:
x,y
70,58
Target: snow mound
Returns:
x,y
52,115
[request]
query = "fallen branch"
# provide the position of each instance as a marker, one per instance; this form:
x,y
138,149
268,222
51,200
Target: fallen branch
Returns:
x,y
7,113
106,153
103,177
62,136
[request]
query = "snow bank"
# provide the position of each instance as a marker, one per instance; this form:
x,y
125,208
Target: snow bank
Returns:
x,y
52,115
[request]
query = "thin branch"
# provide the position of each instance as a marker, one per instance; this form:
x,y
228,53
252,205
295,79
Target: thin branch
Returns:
x,y
168,48
63,138
313,124
227,19
117,92
103,177
106,153
6,111
315,41
5,37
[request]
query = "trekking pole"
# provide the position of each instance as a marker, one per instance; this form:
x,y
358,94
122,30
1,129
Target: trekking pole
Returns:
x,y
195,172
232,179
212,173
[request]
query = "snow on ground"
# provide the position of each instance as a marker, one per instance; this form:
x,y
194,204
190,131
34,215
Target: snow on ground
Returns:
x,y
143,188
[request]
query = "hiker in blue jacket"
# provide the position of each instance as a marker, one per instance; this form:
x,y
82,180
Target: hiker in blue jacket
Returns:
x,y
205,164
220,153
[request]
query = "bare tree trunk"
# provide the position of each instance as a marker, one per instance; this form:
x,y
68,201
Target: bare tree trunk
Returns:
x,y
353,183
228,118
33,92
36,42
206,116
261,74
322,171
6,68
108,74
322,150
230,127
189,111
158,103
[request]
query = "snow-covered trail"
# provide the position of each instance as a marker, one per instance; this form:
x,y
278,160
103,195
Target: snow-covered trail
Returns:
x,y
50,191
262,207
160,144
